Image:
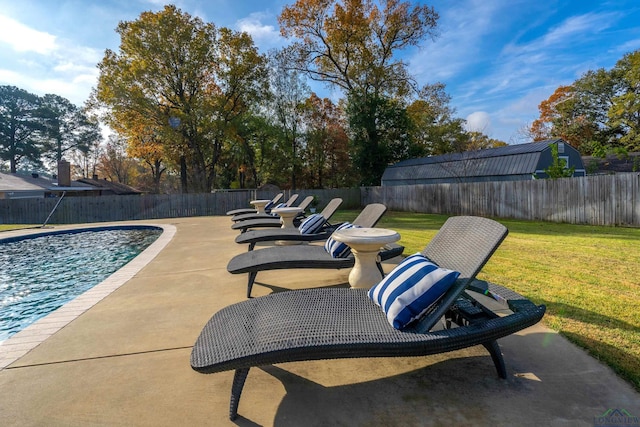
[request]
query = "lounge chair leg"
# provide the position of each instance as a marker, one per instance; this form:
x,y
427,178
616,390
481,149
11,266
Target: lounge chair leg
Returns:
x,y
236,390
251,246
252,278
496,355
380,269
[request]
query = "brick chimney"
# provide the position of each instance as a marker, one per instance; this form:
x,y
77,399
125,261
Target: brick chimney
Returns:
x,y
64,174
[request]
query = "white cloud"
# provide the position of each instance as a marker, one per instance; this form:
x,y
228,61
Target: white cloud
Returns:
x,y
74,89
43,63
24,39
263,35
12,78
630,46
575,30
461,30
578,26
478,121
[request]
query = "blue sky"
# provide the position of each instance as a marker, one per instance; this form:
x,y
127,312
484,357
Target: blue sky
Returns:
x,y
498,58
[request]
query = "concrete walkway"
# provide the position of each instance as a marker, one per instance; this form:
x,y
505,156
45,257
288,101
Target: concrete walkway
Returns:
x,y
125,362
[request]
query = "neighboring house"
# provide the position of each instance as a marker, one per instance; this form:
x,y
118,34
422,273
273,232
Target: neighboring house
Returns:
x,y
108,188
22,186
509,163
13,186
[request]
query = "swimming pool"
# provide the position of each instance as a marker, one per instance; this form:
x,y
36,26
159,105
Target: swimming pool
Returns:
x,y
40,273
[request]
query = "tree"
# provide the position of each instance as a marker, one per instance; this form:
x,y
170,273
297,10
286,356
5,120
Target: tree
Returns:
x,y
353,45
264,161
114,163
326,149
289,92
145,143
595,91
596,113
66,127
189,80
242,81
163,72
85,159
569,114
558,167
434,128
379,129
625,106
480,141
20,127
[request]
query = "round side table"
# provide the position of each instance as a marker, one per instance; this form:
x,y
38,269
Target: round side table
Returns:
x,y
286,218
259,204
365,243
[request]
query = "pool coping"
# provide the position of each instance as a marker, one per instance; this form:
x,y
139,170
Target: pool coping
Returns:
x,y
33,335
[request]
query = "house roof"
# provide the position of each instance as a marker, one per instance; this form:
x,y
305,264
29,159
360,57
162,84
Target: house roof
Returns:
x,y
22,183
115,187
520,159
13,182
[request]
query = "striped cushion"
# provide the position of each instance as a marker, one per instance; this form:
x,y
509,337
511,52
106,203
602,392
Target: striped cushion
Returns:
x,y
312,224
279,205
338,249
268,206
411,288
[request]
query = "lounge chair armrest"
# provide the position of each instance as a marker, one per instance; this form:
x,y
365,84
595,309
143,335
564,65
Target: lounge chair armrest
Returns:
x,y
391,250
505,297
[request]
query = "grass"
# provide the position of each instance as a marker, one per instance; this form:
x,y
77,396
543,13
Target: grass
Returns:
x,y
587,276
9,227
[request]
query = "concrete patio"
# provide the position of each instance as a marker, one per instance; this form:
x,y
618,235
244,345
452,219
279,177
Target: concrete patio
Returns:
x,y
125,361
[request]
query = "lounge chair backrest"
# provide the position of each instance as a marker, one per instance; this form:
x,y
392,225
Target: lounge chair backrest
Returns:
x,y
291,200
370,215
276,198
331,207
464,244
304,204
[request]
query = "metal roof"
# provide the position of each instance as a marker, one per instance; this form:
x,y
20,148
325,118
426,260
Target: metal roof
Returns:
x,y
520,159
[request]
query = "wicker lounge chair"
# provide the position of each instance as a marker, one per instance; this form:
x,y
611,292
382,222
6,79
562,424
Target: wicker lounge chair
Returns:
x,y
288,326
307,256
369,217
274,222
240,211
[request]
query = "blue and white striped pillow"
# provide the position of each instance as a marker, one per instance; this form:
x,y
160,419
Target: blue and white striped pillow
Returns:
x,y
411,288
338,249
312,224
268,206
279,205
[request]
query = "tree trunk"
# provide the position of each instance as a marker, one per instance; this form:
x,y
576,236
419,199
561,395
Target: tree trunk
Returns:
x,y
183,174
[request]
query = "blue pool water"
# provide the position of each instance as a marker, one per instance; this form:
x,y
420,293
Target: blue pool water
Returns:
x,y
39,274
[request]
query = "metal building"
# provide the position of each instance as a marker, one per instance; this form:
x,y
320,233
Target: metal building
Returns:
x,y
509,163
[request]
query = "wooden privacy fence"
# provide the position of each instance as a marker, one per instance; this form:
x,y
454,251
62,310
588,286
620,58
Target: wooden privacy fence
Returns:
x,y
595,200
72,210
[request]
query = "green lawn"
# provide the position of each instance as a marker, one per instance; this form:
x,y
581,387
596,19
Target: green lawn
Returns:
x,y
587,276
7,227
